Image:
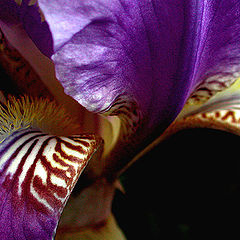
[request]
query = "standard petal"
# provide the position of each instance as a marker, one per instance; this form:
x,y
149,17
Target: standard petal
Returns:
x,y
116,48
141,60
154,52
27,16
211,47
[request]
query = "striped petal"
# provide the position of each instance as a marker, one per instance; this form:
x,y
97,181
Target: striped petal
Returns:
x,y
38,171
221,112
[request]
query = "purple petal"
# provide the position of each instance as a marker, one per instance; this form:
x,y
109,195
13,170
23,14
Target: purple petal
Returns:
x,y
28,17
212,45
155,52
38,173
121,48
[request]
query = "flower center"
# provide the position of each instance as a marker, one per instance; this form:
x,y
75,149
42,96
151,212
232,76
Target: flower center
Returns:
x,y
35,113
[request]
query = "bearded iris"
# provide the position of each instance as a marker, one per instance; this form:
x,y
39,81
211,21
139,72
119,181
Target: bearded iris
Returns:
x,y
129,68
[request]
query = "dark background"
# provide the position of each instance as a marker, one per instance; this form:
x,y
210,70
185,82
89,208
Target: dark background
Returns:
x,y
186,188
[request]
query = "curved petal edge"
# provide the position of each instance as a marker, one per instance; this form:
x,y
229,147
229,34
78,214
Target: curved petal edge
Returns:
x,y
37,174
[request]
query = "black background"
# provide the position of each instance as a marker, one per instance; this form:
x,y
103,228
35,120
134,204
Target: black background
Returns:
x,y
186,188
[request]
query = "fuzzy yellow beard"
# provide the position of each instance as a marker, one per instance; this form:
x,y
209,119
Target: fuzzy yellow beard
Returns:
x,y
36,113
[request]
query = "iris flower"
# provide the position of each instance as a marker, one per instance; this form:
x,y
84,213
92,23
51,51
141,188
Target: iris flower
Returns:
x,y
94,84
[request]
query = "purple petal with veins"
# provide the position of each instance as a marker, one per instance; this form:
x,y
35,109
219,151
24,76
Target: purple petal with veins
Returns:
x,y
156,52
121,48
